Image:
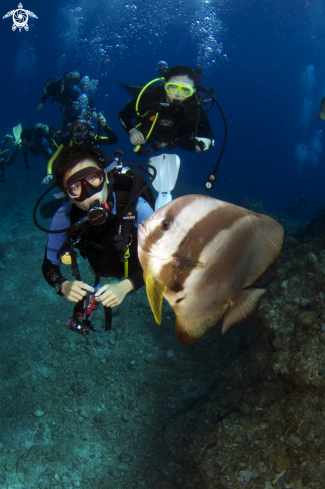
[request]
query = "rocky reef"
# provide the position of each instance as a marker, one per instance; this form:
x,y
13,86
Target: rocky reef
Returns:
x,y
263,424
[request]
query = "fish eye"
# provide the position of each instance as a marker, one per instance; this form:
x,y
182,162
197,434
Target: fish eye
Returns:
x,y
166,224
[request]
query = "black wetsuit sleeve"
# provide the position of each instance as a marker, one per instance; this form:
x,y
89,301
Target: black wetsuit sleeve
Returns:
x,y
137,279
204,129
127,114
51,272
44,98
110,138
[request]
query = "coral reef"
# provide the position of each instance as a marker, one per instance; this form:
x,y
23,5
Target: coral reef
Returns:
x,y
263,425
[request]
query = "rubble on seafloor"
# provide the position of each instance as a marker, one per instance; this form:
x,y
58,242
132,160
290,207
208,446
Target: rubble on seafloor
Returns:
x,y
263,425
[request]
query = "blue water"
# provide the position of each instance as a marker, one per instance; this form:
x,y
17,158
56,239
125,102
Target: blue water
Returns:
x,y
90,412
257,58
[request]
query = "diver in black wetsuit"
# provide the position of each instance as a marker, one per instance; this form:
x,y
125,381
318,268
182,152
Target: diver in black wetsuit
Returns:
x,y
66,90
37,140
80,132
7,158
79,173
169,116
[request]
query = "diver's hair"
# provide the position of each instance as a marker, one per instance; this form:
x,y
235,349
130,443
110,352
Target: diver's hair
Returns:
x,y
180,70
70,157
27,134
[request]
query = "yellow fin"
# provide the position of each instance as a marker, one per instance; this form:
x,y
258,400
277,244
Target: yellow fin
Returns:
x,y
17,132
155,293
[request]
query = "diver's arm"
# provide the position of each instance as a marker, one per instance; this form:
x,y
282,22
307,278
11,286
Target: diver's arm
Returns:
x,y
51,263
204,129
143,209
50,165
127,114
111,136
50,271
137,280
43,99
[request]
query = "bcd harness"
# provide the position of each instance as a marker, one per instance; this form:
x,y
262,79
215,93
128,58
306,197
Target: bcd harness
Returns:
x,y
126,188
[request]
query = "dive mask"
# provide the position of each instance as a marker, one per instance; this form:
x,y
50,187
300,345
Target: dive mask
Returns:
x,y
184,89
79,128
85,183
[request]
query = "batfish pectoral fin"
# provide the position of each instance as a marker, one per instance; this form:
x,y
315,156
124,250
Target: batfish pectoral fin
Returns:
x,y
184,263
155,293
243,309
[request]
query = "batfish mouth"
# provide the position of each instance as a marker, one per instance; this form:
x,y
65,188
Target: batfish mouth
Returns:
x,y
142,230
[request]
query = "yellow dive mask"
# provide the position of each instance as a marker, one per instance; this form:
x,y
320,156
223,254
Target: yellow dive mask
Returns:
x,y
184,89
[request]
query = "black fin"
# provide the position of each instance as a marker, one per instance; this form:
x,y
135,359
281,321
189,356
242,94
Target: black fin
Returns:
x,y
132,90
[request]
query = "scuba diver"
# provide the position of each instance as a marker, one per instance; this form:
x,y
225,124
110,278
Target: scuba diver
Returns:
x,y
168,115
37,140
6,157
65,90
100,219
80,132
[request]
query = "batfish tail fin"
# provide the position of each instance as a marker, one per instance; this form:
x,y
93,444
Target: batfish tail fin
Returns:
x,y
155,293
189,330
243,309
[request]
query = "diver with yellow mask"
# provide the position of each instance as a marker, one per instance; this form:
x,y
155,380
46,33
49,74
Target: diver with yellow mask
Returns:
x,y
169,114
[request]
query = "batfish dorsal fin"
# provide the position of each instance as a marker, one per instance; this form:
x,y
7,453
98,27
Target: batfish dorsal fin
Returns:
x,y
155,293
269,243
241,310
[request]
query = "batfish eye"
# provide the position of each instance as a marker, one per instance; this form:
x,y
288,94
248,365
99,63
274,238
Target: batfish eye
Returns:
x,y
166,224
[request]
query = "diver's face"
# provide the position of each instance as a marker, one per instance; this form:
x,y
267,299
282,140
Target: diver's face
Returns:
x,y
178,79
101,195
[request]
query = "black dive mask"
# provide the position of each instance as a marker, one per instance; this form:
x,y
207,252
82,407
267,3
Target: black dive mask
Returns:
x,y
85,183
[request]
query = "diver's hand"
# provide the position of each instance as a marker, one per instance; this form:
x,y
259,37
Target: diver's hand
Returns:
x,y
111,295
39,107
101,119
204,145
75,290
136,137
47,179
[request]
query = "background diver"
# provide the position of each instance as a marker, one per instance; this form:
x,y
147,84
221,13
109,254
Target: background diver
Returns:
x,y
7,156
37,140
66,90
169,115
80,132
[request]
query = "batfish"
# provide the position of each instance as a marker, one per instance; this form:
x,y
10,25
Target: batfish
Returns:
x,y
202,255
